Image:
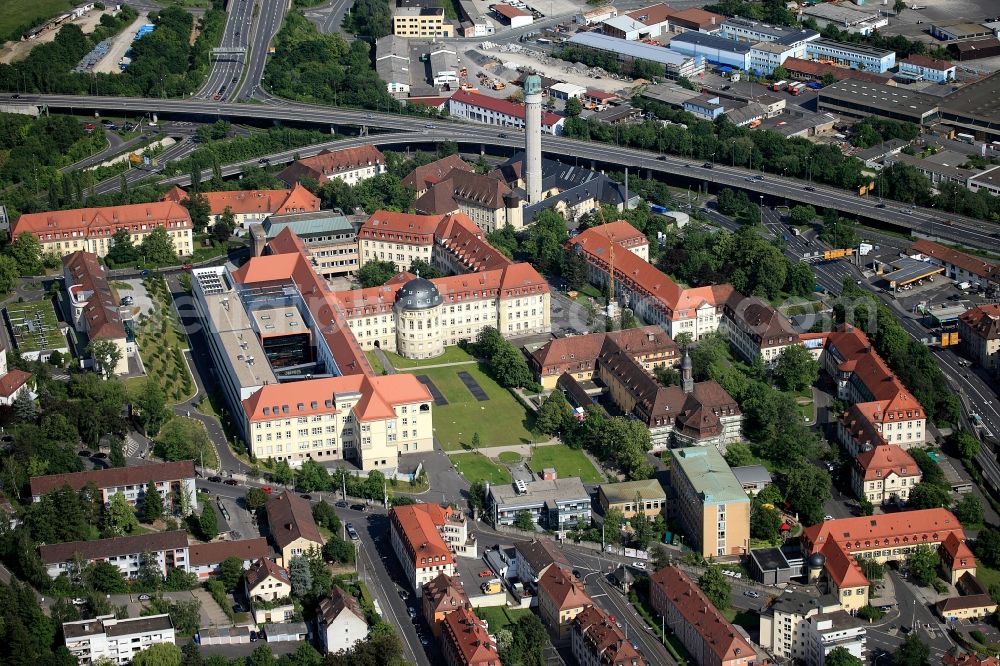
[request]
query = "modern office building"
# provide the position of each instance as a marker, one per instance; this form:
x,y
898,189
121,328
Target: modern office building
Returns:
x,y
713,49
107,638
557,504
855,56
91,229
329,240
754,32
922,68
174,481
421,21
676,64
786,625
633,497
711,504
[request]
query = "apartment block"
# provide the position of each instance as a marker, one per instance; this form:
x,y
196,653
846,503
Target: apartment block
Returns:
x,y
167,549
350,165
441,596
596,640
250,206
979,335
466,641
712,506
561,598
106,638
838,629
426,539
421,22
174,481
556,504
886,473
204,559
786,624
91,229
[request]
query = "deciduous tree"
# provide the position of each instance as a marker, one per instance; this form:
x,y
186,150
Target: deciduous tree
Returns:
x,y
716,587
119,516
923,563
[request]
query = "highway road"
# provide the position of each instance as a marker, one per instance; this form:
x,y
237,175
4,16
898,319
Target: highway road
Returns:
x,y
227,70
966,231
266,25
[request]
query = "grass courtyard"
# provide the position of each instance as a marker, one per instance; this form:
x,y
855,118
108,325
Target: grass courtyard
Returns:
x,y
477,467
501,420
35,326
161,341
451,355
19,14
566,461
500,617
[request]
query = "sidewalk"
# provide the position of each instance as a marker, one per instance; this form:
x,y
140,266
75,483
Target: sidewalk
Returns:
x,y
493,451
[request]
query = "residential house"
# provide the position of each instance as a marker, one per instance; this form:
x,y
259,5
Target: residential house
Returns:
x,y
350,165
426,538
13,381
596,640
167,549
465,640
973,601
442,595
293,530
341,622
534,558
884,473
979,335
107,638
268,588
205,558
561,597
173,480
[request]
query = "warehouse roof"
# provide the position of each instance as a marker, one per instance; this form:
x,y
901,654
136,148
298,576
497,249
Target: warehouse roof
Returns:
x,y
977,100
629,49
880,97
712,42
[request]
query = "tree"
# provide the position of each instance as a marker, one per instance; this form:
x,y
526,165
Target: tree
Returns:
x,y
119,517
738,454
199,209
122,251
928,496
477,496
182,438
158,654
263,656
152,503
614,520
872,569
965,444
988,546
716,587
779,73
912,651
231,571
157,248
117,455
325,516
552,413
969,510
301,576
26,251
829,79
255,498
24,408
807,488
802,214
224,225
509,367
923,563
796,369
524,520
9,272
107,578
476,442
208,523
840,656
765,523
424,269
376,272
106,355
573,107
898,6
152,404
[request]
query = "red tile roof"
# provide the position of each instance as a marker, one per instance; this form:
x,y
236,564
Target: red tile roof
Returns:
x,y
842,568
263,569
967,262
337,602
884,460
865,532
691,603
444,593
12,381
417,526
286,242
501,106
389,226
957,554
330,163
565,591
601,637
90,222
697,18
927,63
318,396
114,477
652,14
465,636
580,352
468,245
983,321
101,315
818,70
509,11
428,174
205,554
242,202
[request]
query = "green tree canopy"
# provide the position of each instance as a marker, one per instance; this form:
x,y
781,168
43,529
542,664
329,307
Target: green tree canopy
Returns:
x,y
157,248
376,272
716,587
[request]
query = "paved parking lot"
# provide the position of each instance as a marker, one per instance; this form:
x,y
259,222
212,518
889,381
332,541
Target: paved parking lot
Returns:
x,y
142,303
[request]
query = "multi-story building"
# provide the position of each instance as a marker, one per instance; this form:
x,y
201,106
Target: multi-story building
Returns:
x,y
692,414
401,238
596,640
786,623
204,559
845,17
341,621
710,639
883,410
561,597
886,537
493,111
489,202
329,241
753,32
765,57
836,629
756,330
958,266
578,355
922,68
633,497
441,596
466,641
533,558
350,165
91,229
174,481
421,22
249,206
419,318
714,510
979,335
423,177
639,285
884,474
426,538
93,307
855,56
168,550
13,381
292,527
267,586
713,48
556,504
106,638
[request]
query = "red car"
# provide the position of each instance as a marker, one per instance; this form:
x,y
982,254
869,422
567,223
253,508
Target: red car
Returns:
x,y
187,267
267,489
485,573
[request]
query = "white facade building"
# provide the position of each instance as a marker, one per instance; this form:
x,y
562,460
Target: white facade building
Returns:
x,y
105,637
827,631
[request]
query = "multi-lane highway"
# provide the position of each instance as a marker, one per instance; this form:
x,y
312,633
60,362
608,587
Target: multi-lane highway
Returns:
x,y
967,231
250,26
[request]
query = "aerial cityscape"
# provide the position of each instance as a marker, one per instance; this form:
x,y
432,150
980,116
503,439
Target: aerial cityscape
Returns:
x,y
523,333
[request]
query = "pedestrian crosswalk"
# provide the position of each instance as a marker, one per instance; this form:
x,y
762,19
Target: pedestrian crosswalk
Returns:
x,y
132,446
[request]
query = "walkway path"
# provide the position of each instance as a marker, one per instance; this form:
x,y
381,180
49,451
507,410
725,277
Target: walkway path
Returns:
x,y
390,369
494,451
441,365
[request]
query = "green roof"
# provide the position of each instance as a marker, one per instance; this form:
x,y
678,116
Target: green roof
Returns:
x,y
707,472
308,224
617,493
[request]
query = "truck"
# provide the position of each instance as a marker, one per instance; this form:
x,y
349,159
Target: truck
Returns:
x,y
796,88
779,85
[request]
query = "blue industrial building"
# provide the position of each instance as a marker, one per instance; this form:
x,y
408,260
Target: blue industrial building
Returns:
x,y
856,56
716,50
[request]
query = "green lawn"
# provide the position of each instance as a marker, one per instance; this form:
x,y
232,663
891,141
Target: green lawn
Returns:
x,y
160,343
376,363
501,420
509,457
451,355
500,617
567,462
746,619
986,575
35,326
477,467
20,13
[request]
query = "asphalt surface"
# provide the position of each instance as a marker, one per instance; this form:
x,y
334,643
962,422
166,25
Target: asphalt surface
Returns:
x,y
966,231
227,70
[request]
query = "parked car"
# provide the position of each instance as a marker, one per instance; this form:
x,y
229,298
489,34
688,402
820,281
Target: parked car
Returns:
x,y
351,532
215,479
827,517
231,482
485,573
79,601
342,504
358,507
752,594
639,565
306,497
144,597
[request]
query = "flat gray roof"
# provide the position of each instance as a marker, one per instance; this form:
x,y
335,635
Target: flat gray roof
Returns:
x,y
637,50
851,47
539,492
242,347
908,270
846,15
318,223
752,474
669,93
712,42
279,320
106,624
975,101
880,97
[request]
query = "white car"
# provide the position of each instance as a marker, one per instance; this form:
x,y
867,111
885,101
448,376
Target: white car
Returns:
x,y
639,565
827,517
